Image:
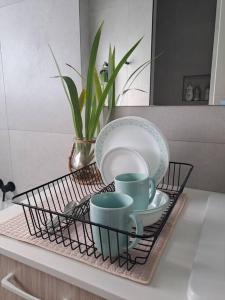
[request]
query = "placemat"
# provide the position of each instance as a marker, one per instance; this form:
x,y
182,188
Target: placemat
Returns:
x,y
16,228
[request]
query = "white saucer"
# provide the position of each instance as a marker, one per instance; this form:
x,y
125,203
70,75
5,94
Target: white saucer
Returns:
x,y
121,160
137,134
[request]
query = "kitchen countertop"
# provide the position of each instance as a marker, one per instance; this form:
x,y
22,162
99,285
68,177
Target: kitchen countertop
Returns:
x,y
207,280
170,280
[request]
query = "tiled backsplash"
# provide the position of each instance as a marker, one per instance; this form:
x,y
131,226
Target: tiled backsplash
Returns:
x,y
196,135
36,131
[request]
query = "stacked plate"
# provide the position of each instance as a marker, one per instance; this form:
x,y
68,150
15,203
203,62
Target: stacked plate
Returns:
x,y
134,145
131,144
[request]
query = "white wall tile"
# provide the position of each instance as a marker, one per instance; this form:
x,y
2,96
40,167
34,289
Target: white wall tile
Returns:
x,y
193,123
38,157
3,118
208,161
84,37
5,165
196,135
34,100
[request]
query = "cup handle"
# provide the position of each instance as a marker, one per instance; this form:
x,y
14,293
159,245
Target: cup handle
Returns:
x,y
152,189
139,229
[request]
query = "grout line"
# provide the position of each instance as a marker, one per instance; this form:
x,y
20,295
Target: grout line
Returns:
x,y
71,133
40,131
197,142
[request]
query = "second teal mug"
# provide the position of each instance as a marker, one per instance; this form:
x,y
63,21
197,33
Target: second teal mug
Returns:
x,y
113,210
139,186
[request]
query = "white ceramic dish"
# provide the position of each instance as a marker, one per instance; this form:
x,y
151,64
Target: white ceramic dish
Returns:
x,y
155,209
121,160
140,135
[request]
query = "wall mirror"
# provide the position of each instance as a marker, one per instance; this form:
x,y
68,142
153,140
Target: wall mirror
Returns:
x,y
184,39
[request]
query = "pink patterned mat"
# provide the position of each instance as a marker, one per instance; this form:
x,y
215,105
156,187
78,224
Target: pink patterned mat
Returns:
x,y
16,228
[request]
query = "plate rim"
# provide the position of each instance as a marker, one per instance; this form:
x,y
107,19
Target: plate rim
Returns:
x,y
122,148
144,123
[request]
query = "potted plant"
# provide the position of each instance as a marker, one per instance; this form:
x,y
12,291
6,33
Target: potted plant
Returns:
x,y
92,100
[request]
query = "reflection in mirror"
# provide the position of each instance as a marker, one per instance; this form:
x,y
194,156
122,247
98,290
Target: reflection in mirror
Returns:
x,y
184,31
125,21
183,38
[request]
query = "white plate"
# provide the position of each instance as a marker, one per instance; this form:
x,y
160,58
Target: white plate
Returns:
x,y
121,160
140,135
155,210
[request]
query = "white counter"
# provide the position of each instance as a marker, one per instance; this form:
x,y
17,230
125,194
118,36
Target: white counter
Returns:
x,y
207,280
170,280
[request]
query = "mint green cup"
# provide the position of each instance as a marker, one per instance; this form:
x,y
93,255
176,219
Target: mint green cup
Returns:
x,y
113,210
139,186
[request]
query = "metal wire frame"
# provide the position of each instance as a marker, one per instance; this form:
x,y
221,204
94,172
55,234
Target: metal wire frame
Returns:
x,y
44,206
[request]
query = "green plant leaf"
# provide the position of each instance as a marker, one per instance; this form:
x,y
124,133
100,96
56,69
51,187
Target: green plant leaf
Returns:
x,y
109,85
133,89
139,70
109,75
135,77
90,80
111,68
98,92
78,73
146,63
82,99
112,91
75,104
59,71
98,127
64,87
93,111
98,88
124,92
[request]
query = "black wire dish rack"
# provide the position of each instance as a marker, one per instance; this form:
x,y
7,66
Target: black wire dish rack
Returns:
x,y
48,217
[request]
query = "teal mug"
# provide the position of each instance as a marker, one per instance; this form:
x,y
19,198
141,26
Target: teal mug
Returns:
x,y
139,186
113,210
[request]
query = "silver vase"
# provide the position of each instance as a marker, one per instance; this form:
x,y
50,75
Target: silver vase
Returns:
x,y
82,154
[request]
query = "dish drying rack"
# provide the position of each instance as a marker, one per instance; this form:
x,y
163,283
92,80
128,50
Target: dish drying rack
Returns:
x,y
44,211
